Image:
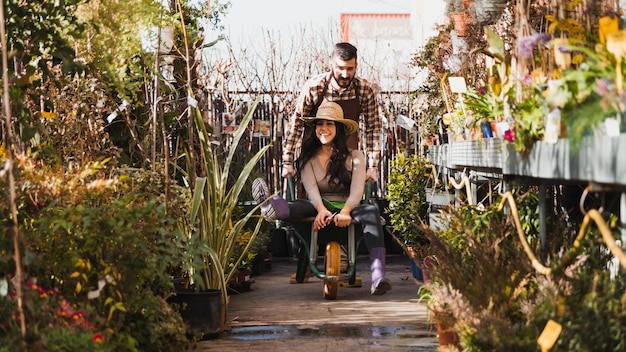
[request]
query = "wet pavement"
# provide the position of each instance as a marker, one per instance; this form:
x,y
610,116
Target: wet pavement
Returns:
x,y
275,315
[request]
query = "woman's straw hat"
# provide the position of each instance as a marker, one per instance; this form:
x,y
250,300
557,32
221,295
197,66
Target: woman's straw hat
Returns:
x,y
331,111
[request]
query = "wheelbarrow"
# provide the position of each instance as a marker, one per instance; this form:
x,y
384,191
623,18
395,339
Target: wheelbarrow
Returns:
x,y
336,237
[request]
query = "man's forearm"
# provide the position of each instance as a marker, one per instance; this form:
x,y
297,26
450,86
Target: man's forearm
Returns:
x,y
373,152
291,135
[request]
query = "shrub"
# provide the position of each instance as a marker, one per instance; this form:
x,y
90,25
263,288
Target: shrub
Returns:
x,y
406,192
106,245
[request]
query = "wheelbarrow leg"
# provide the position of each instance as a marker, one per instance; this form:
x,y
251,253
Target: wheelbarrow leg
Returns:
x,y
333,268
303,265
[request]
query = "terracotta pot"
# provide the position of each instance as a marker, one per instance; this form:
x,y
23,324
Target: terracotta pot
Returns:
x,y
460,24
447,337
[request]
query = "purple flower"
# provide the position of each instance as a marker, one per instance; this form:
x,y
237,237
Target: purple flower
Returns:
x,y
602,87
482,90
526,45
563,49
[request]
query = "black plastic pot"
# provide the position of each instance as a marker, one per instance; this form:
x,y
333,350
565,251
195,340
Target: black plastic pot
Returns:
x,y
203,312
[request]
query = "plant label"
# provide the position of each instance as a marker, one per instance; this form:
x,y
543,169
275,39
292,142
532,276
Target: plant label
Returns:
x,y
549,335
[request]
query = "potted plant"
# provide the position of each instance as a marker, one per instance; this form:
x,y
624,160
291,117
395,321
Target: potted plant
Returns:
x,y
456,9
440,316
408,208
481,277
428,105
212,229
485,12
456,125
589,93
241,279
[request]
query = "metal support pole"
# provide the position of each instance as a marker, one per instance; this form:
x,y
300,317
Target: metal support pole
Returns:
x,y
542,220
473,184
622,216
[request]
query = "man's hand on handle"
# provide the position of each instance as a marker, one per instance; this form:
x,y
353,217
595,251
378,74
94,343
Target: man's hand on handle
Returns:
x,y
288,170
372,174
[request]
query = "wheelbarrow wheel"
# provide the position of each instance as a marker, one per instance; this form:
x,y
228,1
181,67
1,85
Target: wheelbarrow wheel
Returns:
x,y
333,268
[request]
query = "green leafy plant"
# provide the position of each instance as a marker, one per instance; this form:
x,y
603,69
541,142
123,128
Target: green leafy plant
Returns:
x,y
212,229
240,245
529,114
429,107
588,93
484,105
406,192
586,295
104,244
54,322
481,278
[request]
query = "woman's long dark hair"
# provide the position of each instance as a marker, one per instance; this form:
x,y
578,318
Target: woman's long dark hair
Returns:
x,y
340,177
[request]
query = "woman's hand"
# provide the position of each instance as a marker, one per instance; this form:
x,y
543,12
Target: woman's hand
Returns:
x,y
342,219
321,219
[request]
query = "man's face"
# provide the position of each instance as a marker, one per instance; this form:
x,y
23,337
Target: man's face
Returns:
x,y
343,71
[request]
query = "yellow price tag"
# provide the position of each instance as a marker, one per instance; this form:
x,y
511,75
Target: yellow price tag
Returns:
x,y
549,335
616,42
48,115
616,45
606,25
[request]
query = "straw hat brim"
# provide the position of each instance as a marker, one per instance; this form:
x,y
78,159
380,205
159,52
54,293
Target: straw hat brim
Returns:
x,y
351,126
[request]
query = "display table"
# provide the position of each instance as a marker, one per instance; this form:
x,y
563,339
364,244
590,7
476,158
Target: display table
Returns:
x,y
599,160
473,154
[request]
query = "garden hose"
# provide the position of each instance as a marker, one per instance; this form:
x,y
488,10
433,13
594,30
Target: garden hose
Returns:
x,y
434,175
583,197
615,249
553,329
535,262
468,187
592,214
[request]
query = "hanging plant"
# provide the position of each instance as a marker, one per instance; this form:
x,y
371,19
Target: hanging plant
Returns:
x,y
486,12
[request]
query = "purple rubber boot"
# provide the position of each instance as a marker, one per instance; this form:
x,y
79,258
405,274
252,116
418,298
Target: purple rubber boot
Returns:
x,y
276,208
281,207
380,285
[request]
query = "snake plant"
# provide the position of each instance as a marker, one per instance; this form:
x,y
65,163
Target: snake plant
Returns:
x,y
212,228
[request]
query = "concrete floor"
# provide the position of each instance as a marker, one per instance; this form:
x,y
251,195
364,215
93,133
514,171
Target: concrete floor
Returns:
x,y
278,316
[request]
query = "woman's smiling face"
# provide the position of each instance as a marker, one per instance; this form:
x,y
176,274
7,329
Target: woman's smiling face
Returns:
x,y
325,130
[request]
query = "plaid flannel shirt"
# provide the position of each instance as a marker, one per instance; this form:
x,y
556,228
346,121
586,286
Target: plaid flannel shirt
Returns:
x,y
311,95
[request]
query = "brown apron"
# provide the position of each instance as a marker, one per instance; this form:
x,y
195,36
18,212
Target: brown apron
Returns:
x,y
351,110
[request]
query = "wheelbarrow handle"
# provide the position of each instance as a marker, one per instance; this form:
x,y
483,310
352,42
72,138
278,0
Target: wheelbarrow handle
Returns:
x,y
291,190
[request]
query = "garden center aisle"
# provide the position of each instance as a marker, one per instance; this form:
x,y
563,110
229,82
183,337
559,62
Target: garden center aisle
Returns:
x,y
277,316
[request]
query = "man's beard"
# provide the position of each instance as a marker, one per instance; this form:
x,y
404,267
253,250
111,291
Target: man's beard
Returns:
x,y
343,82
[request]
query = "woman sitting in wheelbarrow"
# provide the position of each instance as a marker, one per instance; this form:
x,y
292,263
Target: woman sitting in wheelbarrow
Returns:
x,y
333,177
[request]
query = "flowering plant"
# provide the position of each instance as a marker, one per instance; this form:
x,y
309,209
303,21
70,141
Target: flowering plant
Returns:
x,y
527,124
484,103
52,322
589,93
527,45
238,250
